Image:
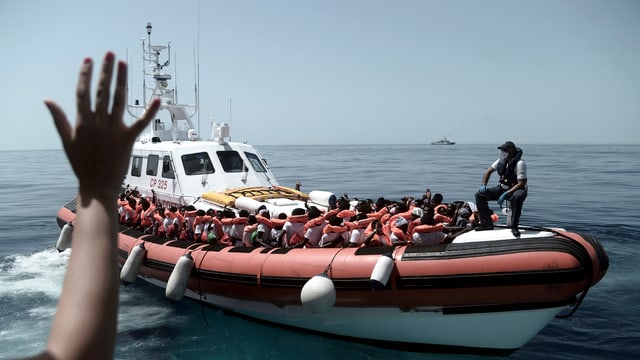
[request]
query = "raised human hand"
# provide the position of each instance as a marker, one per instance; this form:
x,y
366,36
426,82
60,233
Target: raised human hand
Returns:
x,y
99,145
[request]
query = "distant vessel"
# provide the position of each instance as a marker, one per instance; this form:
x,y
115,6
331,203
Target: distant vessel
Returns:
x,y
443,141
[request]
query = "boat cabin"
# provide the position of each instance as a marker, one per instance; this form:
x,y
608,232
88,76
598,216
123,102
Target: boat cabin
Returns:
x,y
179,172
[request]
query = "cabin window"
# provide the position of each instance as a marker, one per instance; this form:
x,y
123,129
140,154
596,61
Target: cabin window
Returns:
x,y
197,164
231,161
255,162
136,166
152,165
167,168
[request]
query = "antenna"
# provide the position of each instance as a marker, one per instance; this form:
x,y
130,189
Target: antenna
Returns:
x,y
197,67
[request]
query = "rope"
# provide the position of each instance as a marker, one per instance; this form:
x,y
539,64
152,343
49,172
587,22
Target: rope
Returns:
x,y
204,316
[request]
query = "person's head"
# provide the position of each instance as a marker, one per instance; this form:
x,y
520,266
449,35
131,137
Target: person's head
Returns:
x,y
402,223
313,212
298,211
360,216
264,213
144,203
364,207
427,219
243,213
335,221
343,204
508,149
437,198
401,207
416,213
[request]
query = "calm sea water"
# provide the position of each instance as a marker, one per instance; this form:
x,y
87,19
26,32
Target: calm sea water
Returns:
x,y
592,189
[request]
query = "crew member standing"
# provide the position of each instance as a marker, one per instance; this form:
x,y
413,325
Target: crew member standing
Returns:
x,y
512,186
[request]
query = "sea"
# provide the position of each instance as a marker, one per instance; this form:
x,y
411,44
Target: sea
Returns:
x,y
593,189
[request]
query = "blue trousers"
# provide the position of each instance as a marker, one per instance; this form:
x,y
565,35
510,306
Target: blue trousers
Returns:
x,y
493,193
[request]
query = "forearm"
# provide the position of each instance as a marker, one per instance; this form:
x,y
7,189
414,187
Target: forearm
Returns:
x,y
486,176
82,304
519,185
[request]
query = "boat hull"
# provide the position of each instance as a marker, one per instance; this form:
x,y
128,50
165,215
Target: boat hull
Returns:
x,y
475,296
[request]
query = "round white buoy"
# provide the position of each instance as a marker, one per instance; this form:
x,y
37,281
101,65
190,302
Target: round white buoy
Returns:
x,y
131,267
318,294
64,240
179,278
382,271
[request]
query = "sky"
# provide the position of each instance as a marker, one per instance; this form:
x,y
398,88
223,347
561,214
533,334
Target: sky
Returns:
x,y
287,72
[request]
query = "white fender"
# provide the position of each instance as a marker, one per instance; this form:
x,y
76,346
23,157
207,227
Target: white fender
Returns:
x,y
64,240
131,267
177,283
322,198
382,271
253,206
318,294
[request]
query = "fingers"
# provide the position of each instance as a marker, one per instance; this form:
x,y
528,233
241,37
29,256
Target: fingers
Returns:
x,y
103,95
145,118
82,91
119,97
60,121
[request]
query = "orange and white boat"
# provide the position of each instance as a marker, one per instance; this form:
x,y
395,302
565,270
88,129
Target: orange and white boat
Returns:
x,y
486,291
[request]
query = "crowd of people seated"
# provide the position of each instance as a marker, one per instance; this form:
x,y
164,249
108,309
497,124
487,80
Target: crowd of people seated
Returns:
x,y
347,223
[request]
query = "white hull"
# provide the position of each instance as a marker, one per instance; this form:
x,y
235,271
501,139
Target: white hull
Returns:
x,y
502,331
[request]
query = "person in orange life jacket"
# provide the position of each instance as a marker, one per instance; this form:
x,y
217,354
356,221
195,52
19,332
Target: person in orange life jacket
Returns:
x,y
158,222
379,209
428,232
357,229
261,236
167,224
213,229
249,232
436,201
265,225
399,232
277,231
398,209
141,207
144,211
376,234
512,186
202,226
236,226
293,229
176,221
416,214
313,227
334,234
128,214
